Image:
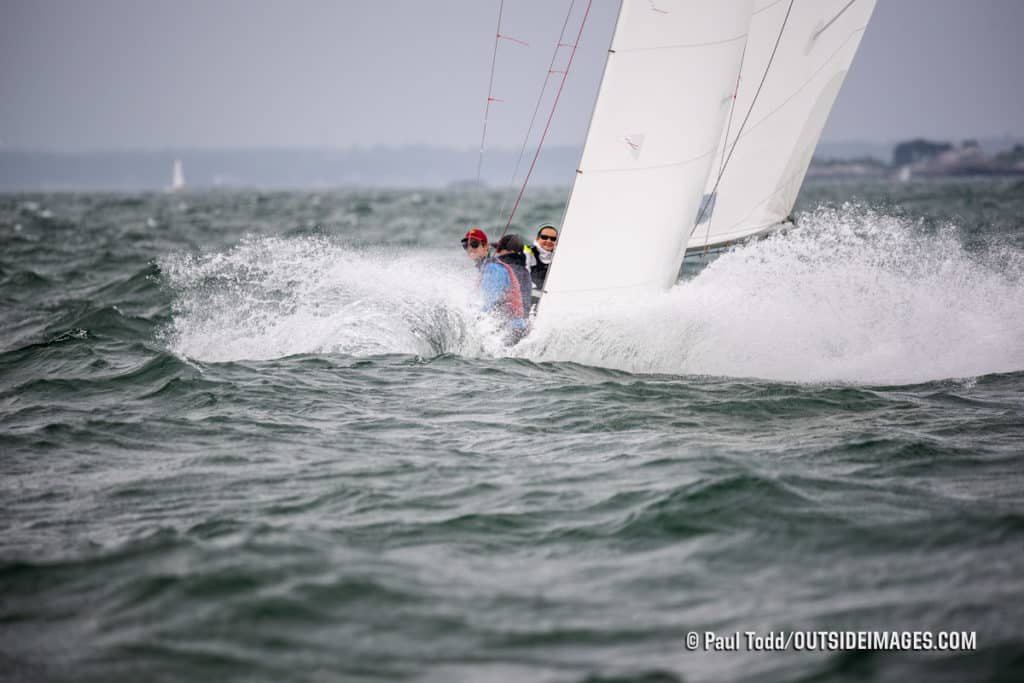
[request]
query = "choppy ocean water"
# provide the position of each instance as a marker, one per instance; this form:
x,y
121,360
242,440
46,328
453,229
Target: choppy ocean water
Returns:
x,y
263,436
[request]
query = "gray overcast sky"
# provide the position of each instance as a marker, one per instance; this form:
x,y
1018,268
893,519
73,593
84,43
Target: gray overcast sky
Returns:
x,y
125,74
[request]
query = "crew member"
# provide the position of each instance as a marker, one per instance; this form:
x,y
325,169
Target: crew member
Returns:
x,y
505,283
475,244
543,252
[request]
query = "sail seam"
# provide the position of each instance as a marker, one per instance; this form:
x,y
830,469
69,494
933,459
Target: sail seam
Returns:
x,y
766,7
671,164
679,46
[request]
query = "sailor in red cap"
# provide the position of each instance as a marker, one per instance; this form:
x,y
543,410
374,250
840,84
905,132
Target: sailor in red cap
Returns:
x,y
475,244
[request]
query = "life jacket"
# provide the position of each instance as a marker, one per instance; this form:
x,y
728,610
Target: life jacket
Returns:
x,y
504,304
517,298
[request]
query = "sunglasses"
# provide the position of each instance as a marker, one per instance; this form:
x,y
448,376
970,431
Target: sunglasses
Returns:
x,y
547,238
472,244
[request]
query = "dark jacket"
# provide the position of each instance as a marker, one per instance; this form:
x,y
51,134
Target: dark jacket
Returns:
x,y
539,273
517,262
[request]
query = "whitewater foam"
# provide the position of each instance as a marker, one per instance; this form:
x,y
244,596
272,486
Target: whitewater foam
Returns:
x,y
274,297
852,295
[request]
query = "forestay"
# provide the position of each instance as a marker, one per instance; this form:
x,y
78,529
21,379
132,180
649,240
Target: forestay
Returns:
x,y
817,40
657,124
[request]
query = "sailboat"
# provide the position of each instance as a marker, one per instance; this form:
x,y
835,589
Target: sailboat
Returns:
x,y
177,177
705,122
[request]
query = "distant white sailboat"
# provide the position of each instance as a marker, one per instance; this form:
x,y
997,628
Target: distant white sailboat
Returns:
x,y
705,123
177,177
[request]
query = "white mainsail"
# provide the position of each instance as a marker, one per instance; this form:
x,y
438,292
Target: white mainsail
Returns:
x,y
766,160
657,124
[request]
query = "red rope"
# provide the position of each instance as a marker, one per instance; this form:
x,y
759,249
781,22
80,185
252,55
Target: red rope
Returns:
x,y
554,105
514,40
536,110
490,92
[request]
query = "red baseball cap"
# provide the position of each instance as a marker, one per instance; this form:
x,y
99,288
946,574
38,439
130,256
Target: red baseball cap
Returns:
x,y
476,234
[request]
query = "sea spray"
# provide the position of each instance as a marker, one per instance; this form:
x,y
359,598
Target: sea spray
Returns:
x,y
851,295
270,297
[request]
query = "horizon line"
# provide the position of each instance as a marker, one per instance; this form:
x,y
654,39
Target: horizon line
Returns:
x,y
169,149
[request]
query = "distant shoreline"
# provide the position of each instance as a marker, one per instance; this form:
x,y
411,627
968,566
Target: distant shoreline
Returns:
x,y
423,166
920,158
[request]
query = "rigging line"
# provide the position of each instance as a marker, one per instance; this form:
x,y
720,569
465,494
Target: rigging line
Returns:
x,y
536,109
746,118
551,115
490,92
